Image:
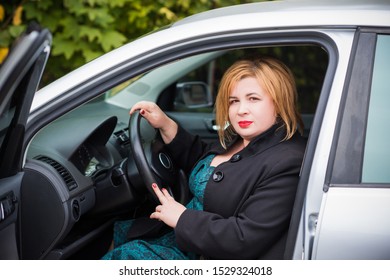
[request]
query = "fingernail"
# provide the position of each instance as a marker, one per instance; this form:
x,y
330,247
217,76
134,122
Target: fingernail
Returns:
x,y
142,111
163,189
154,185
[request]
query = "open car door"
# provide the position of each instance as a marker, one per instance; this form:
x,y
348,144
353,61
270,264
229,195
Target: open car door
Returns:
x,y
19,78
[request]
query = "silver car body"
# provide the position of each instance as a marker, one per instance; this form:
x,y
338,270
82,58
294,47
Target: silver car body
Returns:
x,y
335,223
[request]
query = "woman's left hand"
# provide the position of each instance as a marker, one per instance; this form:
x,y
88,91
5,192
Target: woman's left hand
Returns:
x,y
170,210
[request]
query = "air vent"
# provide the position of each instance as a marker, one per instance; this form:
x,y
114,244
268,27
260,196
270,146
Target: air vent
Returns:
x,y
68,179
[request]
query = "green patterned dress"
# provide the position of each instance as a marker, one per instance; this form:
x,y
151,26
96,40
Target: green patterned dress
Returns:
x,y
164,247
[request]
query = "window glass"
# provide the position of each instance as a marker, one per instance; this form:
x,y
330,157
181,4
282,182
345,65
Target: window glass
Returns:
x,y
376,162
308,63
196,90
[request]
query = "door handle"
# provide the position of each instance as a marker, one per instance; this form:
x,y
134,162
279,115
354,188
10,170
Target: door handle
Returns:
x,y
211,125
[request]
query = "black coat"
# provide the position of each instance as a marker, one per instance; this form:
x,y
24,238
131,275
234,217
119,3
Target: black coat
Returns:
x,y
248,200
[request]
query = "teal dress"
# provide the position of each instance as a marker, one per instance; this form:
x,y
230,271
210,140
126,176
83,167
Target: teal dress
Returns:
x,y
164,247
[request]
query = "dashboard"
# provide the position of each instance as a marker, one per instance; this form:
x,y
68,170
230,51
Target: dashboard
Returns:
x,y
76,180
79,177
88,161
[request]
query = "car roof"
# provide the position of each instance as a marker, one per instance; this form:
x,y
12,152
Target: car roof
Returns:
x,y
303,12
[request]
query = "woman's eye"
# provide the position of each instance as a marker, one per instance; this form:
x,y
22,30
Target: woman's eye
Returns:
x,y
232,101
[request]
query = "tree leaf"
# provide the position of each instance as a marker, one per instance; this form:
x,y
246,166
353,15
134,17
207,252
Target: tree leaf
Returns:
x,y
16,30
117,3
5,39
71,28
63,46
100,16
171,16
91,33
73,6
89,54
112,39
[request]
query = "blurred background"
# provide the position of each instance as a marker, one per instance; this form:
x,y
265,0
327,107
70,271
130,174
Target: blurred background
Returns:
x,y
85,29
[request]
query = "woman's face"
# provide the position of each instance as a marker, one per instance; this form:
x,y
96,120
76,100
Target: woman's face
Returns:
x,y
251,109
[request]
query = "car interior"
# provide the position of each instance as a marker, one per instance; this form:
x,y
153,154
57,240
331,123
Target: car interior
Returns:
x,y
82,170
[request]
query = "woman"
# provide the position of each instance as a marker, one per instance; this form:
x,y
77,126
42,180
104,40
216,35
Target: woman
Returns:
x,y
243,187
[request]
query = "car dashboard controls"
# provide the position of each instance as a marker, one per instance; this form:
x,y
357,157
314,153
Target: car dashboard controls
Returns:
x,y
7,205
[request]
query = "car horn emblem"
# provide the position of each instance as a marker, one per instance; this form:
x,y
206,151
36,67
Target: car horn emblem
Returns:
x,y
165,160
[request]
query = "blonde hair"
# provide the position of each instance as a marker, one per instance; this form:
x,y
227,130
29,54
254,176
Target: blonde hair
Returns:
x,y
277,80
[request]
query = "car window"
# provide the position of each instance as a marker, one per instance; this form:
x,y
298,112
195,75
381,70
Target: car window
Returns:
x,y
376,162
308,63
187,88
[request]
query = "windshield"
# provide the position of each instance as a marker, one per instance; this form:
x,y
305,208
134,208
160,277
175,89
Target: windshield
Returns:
x,y
153,82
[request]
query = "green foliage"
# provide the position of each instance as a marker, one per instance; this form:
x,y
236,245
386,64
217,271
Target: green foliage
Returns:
x,y
85,29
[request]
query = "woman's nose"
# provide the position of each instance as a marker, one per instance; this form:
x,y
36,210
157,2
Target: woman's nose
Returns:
x,y
243,108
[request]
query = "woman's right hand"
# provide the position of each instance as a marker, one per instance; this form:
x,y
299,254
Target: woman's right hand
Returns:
x,y
157,118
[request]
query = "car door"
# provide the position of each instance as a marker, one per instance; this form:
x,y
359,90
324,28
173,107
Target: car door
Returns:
x,y
353,218
19,79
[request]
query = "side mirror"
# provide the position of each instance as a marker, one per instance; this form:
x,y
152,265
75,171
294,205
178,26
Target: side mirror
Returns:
x,y
191,95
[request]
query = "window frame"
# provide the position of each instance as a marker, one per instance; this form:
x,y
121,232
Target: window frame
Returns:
x,y
347,154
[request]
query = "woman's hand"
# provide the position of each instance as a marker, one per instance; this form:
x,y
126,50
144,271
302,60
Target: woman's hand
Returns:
x,y
157,118
170,210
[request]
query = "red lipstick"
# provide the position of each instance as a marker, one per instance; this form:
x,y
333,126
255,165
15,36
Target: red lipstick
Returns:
x,y
244,124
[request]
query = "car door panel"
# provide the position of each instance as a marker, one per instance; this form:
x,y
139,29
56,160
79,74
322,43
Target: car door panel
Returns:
x,y
19,78
349,231
9,191
202,124
352,222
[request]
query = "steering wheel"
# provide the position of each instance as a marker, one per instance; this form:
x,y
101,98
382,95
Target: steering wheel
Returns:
x,y
154,163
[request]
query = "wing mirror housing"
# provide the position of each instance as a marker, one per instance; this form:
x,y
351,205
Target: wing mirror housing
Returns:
x,y
192,95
